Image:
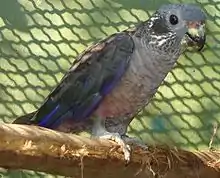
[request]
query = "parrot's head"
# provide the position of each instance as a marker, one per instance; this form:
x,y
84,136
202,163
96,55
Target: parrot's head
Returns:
x,y
177,25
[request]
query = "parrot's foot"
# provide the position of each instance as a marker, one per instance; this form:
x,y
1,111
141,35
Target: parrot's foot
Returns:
x,y
100,132
117,138
134,141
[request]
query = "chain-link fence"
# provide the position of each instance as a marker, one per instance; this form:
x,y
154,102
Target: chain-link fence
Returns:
x,y
39,39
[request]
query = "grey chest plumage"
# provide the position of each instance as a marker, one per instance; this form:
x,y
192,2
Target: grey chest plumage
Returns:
x,y
147,69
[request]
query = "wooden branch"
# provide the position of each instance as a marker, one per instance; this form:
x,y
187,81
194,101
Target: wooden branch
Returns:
x,y
40,149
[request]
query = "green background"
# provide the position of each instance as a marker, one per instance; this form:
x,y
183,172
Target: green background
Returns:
x,y
39,39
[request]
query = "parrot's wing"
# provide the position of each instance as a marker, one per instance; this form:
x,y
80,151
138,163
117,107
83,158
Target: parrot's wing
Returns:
x,y
88,81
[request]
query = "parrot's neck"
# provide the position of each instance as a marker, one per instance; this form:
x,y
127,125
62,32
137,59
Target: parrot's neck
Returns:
x,y
154,56
165,44
164,49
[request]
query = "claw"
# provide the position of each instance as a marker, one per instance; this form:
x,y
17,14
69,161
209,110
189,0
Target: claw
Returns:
x,y
99,131
117,138
134,141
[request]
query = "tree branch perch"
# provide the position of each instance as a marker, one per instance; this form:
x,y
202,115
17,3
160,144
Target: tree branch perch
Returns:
x,y
40,149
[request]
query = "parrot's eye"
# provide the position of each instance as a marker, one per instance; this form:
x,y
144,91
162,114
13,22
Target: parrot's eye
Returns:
x,y
173,19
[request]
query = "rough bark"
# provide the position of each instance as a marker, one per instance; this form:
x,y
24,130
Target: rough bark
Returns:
x,y
40,149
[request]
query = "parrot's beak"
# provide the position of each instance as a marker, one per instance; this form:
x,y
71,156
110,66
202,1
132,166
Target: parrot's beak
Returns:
x,y
196,34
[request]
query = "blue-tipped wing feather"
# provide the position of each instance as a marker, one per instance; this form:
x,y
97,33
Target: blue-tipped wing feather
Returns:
x,y
88,81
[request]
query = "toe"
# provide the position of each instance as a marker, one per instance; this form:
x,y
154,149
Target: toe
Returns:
x,y
134,141
117,138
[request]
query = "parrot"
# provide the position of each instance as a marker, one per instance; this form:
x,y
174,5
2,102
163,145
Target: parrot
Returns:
x,y
117,77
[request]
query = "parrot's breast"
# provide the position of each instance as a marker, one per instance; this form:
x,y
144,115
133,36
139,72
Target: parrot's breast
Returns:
x,y
140,82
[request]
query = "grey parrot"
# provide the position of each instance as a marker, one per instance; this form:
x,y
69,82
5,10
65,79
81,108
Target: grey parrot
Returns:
x,y
116,78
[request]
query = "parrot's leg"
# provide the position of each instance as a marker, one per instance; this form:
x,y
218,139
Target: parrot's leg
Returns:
x,y
99,131
134,141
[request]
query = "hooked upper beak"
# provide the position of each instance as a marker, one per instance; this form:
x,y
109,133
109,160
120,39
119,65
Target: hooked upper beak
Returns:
x,y
196,34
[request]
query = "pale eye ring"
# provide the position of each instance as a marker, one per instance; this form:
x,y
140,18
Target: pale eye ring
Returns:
x,y
173,19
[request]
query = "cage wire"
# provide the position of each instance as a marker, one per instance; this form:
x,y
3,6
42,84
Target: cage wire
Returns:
x,y
39,39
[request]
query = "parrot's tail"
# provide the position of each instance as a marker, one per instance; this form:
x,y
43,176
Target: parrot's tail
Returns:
x,y
68,126
25,119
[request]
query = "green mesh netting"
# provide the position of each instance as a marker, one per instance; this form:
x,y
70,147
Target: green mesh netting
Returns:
x,y
39,40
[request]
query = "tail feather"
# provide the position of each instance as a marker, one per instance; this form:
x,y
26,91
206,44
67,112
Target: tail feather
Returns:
x,y
25,119
67,125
